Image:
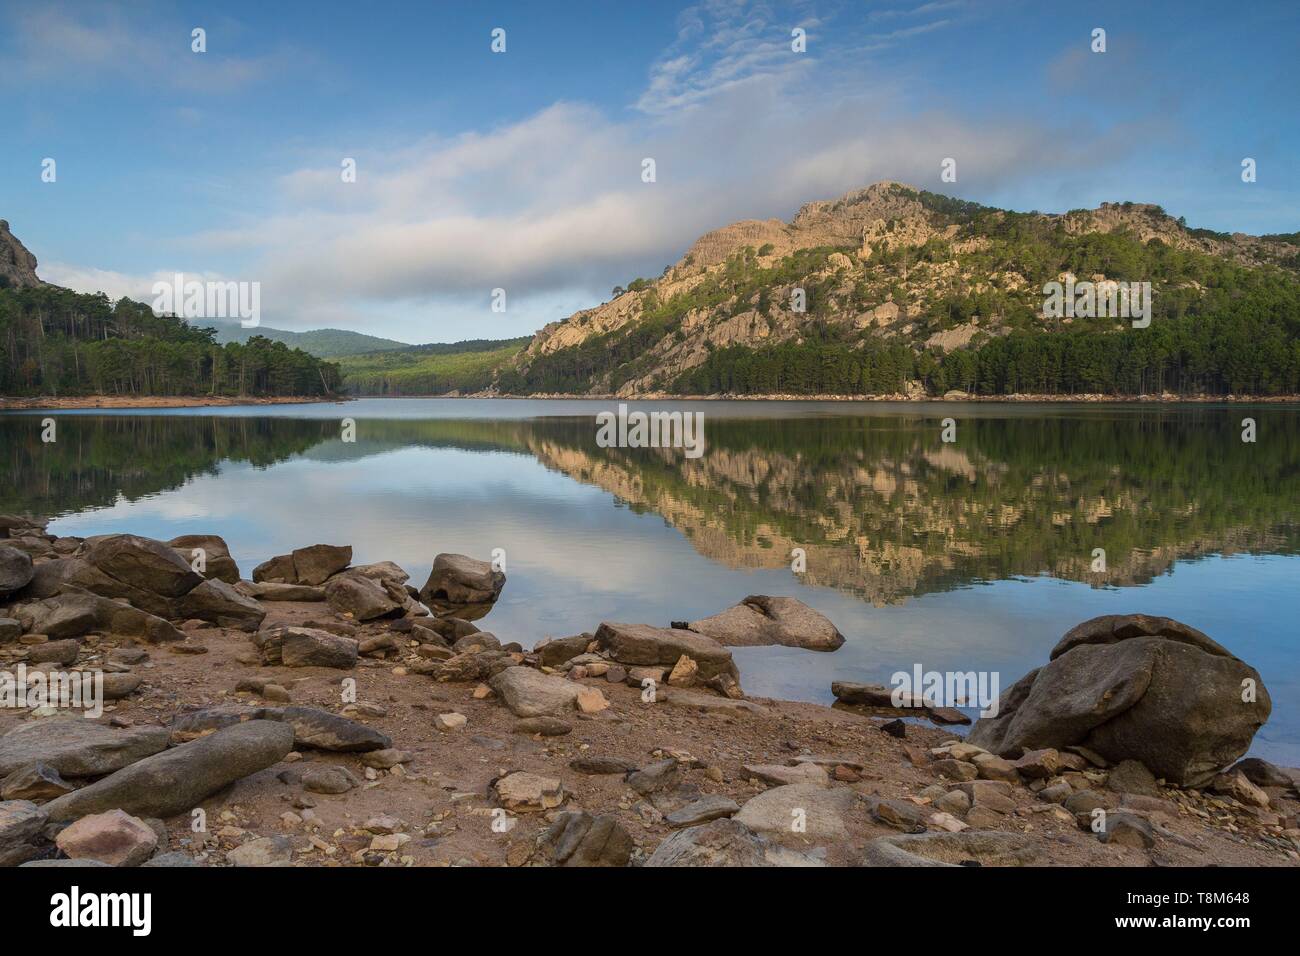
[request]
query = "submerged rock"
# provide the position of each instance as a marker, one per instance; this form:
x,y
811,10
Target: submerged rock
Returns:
x,y
460,581
642,645
761,620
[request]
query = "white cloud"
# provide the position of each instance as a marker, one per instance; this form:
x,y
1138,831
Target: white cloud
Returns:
x,y
552,207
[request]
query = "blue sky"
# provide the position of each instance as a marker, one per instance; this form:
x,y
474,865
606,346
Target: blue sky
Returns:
x,y
521,170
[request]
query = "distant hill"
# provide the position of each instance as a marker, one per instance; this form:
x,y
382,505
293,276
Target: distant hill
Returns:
x,y
438,369
322,343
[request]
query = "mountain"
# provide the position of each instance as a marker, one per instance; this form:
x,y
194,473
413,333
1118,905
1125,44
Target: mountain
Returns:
x,y
17,265
322,343
912,293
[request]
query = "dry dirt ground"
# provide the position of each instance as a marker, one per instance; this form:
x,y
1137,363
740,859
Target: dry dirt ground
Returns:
x,y
444,799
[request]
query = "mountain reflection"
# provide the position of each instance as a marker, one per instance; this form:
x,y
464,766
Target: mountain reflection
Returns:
x,y
883,508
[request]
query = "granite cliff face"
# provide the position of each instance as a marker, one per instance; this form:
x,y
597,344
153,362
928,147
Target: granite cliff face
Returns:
x,y
17,265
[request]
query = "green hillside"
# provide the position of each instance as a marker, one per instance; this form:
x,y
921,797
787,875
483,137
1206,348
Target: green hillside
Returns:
x,y
467,366
912,293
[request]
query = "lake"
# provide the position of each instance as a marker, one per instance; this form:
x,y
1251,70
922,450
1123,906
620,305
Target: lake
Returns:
x,y
971,555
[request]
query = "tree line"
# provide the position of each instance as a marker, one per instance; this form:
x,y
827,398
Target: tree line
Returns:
x,y
54,341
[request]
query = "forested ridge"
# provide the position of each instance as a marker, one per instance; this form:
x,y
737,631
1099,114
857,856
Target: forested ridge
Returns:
x,y
920,294
57,342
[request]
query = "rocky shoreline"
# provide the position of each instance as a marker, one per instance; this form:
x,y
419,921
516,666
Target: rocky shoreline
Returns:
x,y
320,713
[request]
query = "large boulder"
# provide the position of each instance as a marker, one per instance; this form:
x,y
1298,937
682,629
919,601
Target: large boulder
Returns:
x,y
276,570
216,563
361,598
560,650
15,570
311,565
316,563
77,747
530,693
640,645
179,779
218,602
760,620
321,730
460,581
142,563
115,838
306,647
825,813
72,612
15,526
55,576
312,727
1135,687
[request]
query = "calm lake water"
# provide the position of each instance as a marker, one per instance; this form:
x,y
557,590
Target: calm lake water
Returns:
x,y
972,555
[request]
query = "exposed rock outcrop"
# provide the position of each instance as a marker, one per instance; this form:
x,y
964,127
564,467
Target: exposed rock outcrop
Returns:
x,y
17,264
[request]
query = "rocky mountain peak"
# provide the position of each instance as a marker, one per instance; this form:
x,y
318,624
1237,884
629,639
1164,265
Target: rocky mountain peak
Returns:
x,y
17,264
